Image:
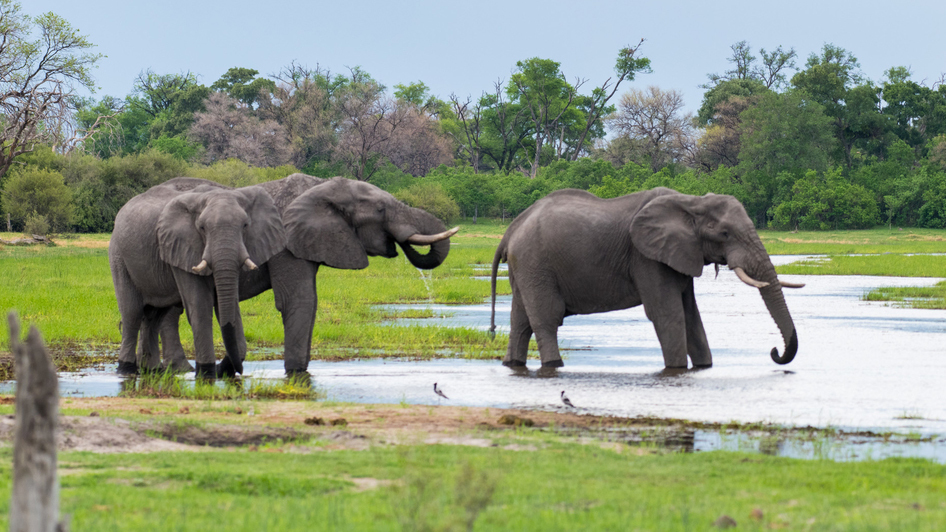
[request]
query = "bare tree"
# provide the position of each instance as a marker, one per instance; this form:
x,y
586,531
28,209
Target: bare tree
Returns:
x,y
37,81
655,118
417,145
470,120
369,120
228,130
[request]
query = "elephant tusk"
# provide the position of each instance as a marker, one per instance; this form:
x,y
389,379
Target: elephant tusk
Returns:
x,y
744,277
249,264
426,240
786,284
200,267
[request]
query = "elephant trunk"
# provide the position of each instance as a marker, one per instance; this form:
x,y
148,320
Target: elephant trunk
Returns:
x,y
771,290
423,223
775,302
226,281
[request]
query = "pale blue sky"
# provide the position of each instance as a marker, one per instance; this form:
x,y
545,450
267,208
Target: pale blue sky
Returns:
x,y
464,48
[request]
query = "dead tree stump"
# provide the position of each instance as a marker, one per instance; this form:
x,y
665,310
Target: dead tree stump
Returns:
x,y
35,504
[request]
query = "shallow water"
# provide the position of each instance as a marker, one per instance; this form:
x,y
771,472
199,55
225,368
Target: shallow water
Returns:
x,y
860,365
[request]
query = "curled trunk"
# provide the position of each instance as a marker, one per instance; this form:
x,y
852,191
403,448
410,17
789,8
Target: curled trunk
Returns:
x,y
419,222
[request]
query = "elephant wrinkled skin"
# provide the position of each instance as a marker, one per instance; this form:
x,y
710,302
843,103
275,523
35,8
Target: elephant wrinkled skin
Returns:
x,y
573,253
183,243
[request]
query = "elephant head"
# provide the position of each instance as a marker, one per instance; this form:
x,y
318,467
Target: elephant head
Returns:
x,y
341,222
688,232
217,231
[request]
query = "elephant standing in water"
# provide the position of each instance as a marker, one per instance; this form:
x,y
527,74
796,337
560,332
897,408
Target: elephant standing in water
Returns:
x,y
574,253
184,242
337,223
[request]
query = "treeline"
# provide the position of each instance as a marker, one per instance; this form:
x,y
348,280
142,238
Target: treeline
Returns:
x,y
814,146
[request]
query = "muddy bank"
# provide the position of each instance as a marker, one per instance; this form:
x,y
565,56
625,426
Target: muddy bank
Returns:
x,y
120,425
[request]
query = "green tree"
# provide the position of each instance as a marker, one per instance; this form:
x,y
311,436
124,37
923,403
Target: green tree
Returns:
x,y
833,80
243,85
160,105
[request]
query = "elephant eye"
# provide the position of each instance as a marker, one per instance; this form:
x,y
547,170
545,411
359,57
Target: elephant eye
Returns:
x,y
724,234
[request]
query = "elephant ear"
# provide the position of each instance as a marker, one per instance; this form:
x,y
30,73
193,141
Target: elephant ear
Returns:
x,y
180,244
665,230
318,229
265,235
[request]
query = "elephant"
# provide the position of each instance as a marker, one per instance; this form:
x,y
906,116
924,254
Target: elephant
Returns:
x,y
574,253
337,223
183,243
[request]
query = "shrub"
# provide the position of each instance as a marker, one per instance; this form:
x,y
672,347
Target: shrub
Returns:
x,y
432,198
38,192
36,224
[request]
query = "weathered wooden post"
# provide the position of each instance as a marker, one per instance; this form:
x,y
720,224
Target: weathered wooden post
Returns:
x,y
35,505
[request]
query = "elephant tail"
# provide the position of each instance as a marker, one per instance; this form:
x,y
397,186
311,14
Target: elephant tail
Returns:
x,y
497,258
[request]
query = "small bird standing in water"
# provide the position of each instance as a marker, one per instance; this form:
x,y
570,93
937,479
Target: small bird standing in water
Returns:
x,y
439,392
566,400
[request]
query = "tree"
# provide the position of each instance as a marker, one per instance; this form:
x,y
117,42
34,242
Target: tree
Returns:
x,y
831,80
720,143
37,79
161,105
655,120
243,85
369,119
228,130
540,87
771,73
596,106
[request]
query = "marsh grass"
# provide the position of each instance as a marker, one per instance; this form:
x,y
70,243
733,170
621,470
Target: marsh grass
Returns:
x,y
880,265
564,486
166,384
847,242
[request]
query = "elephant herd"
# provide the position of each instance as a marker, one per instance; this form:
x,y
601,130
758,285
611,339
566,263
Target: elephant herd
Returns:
x,y
197,247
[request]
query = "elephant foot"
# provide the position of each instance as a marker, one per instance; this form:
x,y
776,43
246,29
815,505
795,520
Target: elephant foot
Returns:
x,y
226,370
514,363
553,364
206,372
702,366
178,366
127,368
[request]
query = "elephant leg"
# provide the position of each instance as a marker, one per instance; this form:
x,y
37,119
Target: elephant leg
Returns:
x,y
662,297
130,307
697,344
172,351
149,353
519,334
197,293
294,289
545,316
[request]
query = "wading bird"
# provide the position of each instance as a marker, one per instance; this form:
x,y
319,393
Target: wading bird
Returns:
x,y
566,400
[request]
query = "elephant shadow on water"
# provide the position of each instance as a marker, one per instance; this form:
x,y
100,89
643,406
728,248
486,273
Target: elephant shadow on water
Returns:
x,y
335,222
574,253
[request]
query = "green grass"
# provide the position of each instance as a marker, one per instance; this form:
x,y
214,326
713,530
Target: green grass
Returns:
x,y
881,265
561,486
847,242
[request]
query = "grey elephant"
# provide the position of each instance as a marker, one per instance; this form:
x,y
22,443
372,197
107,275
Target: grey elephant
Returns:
x,y
574,253
184,243
337,223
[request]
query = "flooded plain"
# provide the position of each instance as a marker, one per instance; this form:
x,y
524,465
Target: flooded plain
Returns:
x,y
861,366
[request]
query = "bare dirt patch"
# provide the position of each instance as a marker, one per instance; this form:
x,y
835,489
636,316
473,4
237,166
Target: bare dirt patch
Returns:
x,y
115,424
